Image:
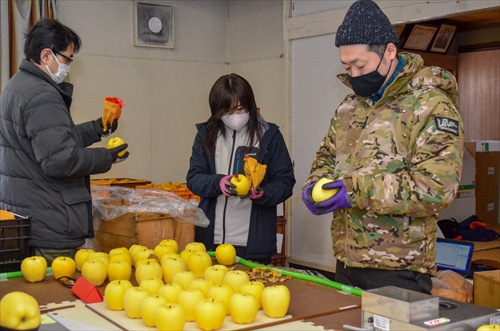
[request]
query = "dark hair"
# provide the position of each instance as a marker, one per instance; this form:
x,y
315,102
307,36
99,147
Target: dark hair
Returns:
x,y
227,91
378,49
49,33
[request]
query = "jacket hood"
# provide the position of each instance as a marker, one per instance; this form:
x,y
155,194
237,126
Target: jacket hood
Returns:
x,y
415,76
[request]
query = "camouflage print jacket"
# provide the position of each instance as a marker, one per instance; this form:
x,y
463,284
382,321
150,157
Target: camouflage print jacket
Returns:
x,y
401,161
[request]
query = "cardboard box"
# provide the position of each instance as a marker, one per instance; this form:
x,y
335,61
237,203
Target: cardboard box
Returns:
x,y
459,209
487,289
487,206
466,187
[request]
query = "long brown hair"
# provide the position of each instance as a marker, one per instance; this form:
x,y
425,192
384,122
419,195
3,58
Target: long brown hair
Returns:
x,y
226,92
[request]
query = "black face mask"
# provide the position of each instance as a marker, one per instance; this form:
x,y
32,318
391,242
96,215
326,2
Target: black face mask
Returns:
x,y
370,83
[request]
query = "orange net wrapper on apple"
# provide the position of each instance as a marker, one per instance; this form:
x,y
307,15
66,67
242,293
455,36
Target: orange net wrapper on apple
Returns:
x,y
254,171
112,111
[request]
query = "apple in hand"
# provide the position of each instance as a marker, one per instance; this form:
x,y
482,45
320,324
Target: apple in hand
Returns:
x,y
215,273
225,254
254,288
95,271
171,291
236,278
275,300
19,311
184,278
242,184
63,266
172,242
34,268
221,292
114,293
119,270
318,194
188,299
198,262
148,269
243,308
152,284
170,317
209,314
81,256
115,142
148,308
132,301
171,266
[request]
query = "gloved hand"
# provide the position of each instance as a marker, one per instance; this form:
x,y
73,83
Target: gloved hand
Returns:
x,y
227,187
339,201
114,153
308,200
254,193
99,128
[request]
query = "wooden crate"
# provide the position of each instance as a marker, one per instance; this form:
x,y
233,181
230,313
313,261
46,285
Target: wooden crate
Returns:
x,y
143,228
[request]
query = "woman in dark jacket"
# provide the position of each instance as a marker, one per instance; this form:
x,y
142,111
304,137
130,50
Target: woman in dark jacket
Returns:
x,y
235,130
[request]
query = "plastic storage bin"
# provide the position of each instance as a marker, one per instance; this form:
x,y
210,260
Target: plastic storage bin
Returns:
x,y
14,242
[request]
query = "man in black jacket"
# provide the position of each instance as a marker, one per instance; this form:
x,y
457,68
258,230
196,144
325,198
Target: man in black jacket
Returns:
x,y
44,160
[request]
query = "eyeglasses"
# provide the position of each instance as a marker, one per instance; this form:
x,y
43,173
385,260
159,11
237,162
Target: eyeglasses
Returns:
x,y
67,58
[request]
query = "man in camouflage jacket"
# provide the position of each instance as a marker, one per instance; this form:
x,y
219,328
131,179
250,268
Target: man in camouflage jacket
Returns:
x,y
394,151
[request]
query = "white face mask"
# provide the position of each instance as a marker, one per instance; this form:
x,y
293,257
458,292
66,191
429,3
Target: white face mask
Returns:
x,y
236,121
62,71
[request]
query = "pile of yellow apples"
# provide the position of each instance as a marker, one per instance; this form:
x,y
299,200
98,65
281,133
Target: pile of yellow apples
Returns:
x,y
172,288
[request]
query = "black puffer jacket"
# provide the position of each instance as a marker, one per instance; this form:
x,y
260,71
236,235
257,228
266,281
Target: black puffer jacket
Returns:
x,y
44,165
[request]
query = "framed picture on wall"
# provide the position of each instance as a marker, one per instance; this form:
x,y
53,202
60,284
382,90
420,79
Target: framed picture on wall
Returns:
x,y
153,24
420,37
443,38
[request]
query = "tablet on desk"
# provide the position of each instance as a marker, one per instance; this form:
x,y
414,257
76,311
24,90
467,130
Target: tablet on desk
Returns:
x,y
454,255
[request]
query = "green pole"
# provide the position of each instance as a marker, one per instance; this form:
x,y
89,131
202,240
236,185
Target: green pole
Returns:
x,y
18,274
298,275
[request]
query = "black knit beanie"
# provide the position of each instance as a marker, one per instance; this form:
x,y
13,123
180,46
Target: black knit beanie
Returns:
x,y
365,24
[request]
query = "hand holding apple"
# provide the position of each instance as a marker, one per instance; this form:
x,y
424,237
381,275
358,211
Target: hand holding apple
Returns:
x,y
319,194
34,268
116,142
242,184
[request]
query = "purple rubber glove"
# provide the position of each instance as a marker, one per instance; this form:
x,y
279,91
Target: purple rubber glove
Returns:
x,y
308,200
256,193
338,201
227,187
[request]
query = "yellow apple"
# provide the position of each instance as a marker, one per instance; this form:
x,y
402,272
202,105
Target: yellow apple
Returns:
x,y
119,270
171,266
221,292
196,246
171,291
202,284
104,257
81,256
172,242
114,293
132,301
243,308
254,288
63,266
198,262
121,256
145,260
489,327
163,249
275,300
19,311
148,308
169,255
318,194
148,270
184,278
215,273
236,278
142,253
242,184
170,317
118,250
185,254
34,268
188,299
152,284
95,271
209,314
115,142
134,248
225,254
